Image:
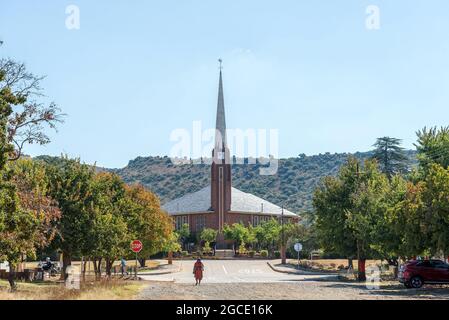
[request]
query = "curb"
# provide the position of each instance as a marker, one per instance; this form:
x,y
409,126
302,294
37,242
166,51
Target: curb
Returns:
x,y
301,272
160,272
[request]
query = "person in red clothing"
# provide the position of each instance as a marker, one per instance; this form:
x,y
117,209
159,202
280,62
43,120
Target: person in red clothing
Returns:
x,y
198,269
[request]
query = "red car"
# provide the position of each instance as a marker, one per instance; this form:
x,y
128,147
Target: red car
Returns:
x,y
417,272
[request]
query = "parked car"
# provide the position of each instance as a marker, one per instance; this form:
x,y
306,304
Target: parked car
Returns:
x,y
415,273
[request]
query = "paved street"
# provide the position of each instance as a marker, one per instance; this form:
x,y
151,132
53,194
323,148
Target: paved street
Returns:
x,y
233,271
255,280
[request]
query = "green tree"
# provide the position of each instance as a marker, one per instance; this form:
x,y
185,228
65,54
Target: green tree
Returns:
x,y
183,234
390,156
208,235
237,233
71,186
435,197
433,147
171,244
108,238
332,199
365,213
268,235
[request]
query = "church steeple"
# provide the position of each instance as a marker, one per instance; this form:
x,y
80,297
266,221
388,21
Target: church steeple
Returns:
x,y
221,168
220,125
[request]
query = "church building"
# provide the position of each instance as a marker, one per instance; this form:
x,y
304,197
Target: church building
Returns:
x,y
219,203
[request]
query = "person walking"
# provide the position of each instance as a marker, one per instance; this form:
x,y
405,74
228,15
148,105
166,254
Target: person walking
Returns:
x,y
123,266
198,269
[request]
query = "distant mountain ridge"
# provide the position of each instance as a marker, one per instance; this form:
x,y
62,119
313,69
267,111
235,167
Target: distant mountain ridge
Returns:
x,y
292,186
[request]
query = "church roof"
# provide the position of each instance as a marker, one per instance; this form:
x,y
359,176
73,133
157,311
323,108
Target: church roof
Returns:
x,y
241,202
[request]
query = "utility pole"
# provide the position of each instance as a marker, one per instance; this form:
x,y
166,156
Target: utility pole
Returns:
x,y
283,257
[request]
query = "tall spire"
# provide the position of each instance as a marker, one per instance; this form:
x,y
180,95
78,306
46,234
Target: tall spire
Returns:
x,y
220,127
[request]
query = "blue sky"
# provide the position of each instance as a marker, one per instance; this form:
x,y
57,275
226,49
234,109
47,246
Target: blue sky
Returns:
x,y
136,70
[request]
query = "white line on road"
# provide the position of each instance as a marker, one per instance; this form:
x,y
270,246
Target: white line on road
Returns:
x,y
224,269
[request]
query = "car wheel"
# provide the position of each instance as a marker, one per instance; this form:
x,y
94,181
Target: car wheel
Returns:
x,y
416,282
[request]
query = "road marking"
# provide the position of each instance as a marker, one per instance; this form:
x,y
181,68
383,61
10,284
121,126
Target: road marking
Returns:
x,y
224,269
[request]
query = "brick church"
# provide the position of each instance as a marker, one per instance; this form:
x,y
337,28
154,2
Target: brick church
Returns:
x,y
219,203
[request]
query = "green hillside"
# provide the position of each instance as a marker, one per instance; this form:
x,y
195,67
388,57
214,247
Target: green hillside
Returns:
x,y
293,185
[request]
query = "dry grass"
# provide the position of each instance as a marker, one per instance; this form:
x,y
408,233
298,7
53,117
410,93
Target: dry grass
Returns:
x,y
90,266
92,290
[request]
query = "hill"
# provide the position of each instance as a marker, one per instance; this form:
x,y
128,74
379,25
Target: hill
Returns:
x,y
292,186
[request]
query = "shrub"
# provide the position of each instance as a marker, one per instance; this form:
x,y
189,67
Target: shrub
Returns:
x,y
242,249
251,253
207,249
277,254
264,253
184,253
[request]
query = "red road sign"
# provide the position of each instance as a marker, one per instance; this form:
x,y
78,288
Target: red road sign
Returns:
x,y
136,246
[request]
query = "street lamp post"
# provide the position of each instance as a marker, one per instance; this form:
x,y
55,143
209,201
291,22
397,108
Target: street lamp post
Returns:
x,y
283,258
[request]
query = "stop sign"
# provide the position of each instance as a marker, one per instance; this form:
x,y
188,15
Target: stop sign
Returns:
x,y
136,246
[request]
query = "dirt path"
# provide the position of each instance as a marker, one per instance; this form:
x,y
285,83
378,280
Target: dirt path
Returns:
x,y
303,290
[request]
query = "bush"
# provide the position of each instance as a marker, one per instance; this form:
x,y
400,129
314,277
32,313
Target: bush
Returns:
x,y
242,249
251,253
184,253
277,254
264,253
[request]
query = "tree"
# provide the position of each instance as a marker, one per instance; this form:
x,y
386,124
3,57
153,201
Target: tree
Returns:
x,y
184,233
407,221
268,234
331,201
28,215
171,244
435,197
146,220
71,186
208,235
22,121
368,206
390,155
295,232
433,147
21,112
238,233
108,238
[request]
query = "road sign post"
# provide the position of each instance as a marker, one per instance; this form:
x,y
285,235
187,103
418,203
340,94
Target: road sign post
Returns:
x,y
136,247
298,248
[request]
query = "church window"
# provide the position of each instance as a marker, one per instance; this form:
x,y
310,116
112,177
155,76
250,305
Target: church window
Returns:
x,y
200,223
180,221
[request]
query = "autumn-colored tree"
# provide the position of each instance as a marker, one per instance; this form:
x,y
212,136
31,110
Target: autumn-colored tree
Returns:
x,y
27,213
146,220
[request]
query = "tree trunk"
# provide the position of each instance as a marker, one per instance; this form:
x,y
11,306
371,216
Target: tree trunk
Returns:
x,y
350,263
97,267
83,272
170,257
66,262
361,269
94,262
109,263
12,277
